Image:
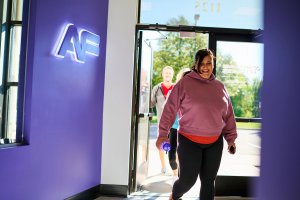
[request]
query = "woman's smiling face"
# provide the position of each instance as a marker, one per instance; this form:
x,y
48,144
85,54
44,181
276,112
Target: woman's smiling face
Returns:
x,y
206,67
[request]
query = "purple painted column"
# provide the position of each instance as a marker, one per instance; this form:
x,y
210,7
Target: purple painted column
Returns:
x,y
63,107
280,172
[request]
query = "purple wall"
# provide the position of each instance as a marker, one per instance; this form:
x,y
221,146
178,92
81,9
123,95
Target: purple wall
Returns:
x,y
63,108
280,174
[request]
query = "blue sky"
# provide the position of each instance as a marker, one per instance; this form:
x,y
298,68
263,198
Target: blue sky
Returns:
x,y
213,13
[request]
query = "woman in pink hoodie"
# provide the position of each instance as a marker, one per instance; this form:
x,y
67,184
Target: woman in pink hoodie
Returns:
x,y
205,117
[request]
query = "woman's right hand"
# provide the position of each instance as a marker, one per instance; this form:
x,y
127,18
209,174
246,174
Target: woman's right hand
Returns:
x,y
160,140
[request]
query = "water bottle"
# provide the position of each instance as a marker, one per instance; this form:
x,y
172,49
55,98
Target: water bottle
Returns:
x,y
165,146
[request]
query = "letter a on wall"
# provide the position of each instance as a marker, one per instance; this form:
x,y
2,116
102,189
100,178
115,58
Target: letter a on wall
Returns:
x,y
78,44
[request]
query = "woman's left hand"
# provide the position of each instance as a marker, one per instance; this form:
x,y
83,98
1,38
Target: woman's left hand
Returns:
x,y
160,140
231,148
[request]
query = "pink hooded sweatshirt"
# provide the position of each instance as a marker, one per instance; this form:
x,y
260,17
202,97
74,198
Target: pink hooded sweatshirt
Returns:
x,y
203,106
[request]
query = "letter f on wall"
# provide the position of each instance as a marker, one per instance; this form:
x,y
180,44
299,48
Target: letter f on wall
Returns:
x,y
78,44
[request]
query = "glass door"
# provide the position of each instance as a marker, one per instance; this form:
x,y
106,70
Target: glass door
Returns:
x,y
158,49
144,68
240,68
239,65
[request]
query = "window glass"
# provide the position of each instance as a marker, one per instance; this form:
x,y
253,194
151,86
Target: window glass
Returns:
x,y
12,112
246,161
10,48
206,13
175,49
17,7
240,67
2,55
3,6
14,58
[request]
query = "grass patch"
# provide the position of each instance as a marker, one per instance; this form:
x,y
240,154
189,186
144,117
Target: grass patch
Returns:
x,y
154,119
248,125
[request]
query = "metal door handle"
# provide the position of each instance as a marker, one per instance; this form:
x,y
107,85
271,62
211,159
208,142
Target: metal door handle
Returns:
x,y
146,115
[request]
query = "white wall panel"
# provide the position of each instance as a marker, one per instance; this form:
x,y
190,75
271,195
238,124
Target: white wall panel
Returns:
x,y
122,18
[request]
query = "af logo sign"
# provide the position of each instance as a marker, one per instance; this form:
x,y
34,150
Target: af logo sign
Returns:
x,y
78,43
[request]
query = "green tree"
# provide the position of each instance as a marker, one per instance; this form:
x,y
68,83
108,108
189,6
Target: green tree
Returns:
x,y
244,95
256,104
176,51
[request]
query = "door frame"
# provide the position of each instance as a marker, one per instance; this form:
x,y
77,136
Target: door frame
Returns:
x,y
135,114
240,184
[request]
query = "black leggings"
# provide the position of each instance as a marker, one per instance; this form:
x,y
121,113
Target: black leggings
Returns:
x,y
172,152
197,160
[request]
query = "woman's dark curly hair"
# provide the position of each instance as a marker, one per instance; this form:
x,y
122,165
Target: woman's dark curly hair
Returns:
x,y
199,58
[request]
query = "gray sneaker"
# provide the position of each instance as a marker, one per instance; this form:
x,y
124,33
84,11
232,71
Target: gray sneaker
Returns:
x,y
164,170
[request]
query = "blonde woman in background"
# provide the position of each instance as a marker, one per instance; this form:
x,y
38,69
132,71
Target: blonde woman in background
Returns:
x,y
172,155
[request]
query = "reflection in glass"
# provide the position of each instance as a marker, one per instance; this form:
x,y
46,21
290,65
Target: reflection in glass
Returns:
x,y
2,44
14,59
146,67
3,12
12,112
17,7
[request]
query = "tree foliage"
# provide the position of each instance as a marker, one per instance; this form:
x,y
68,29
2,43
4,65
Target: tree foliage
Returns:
x,y
244,94
176,51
